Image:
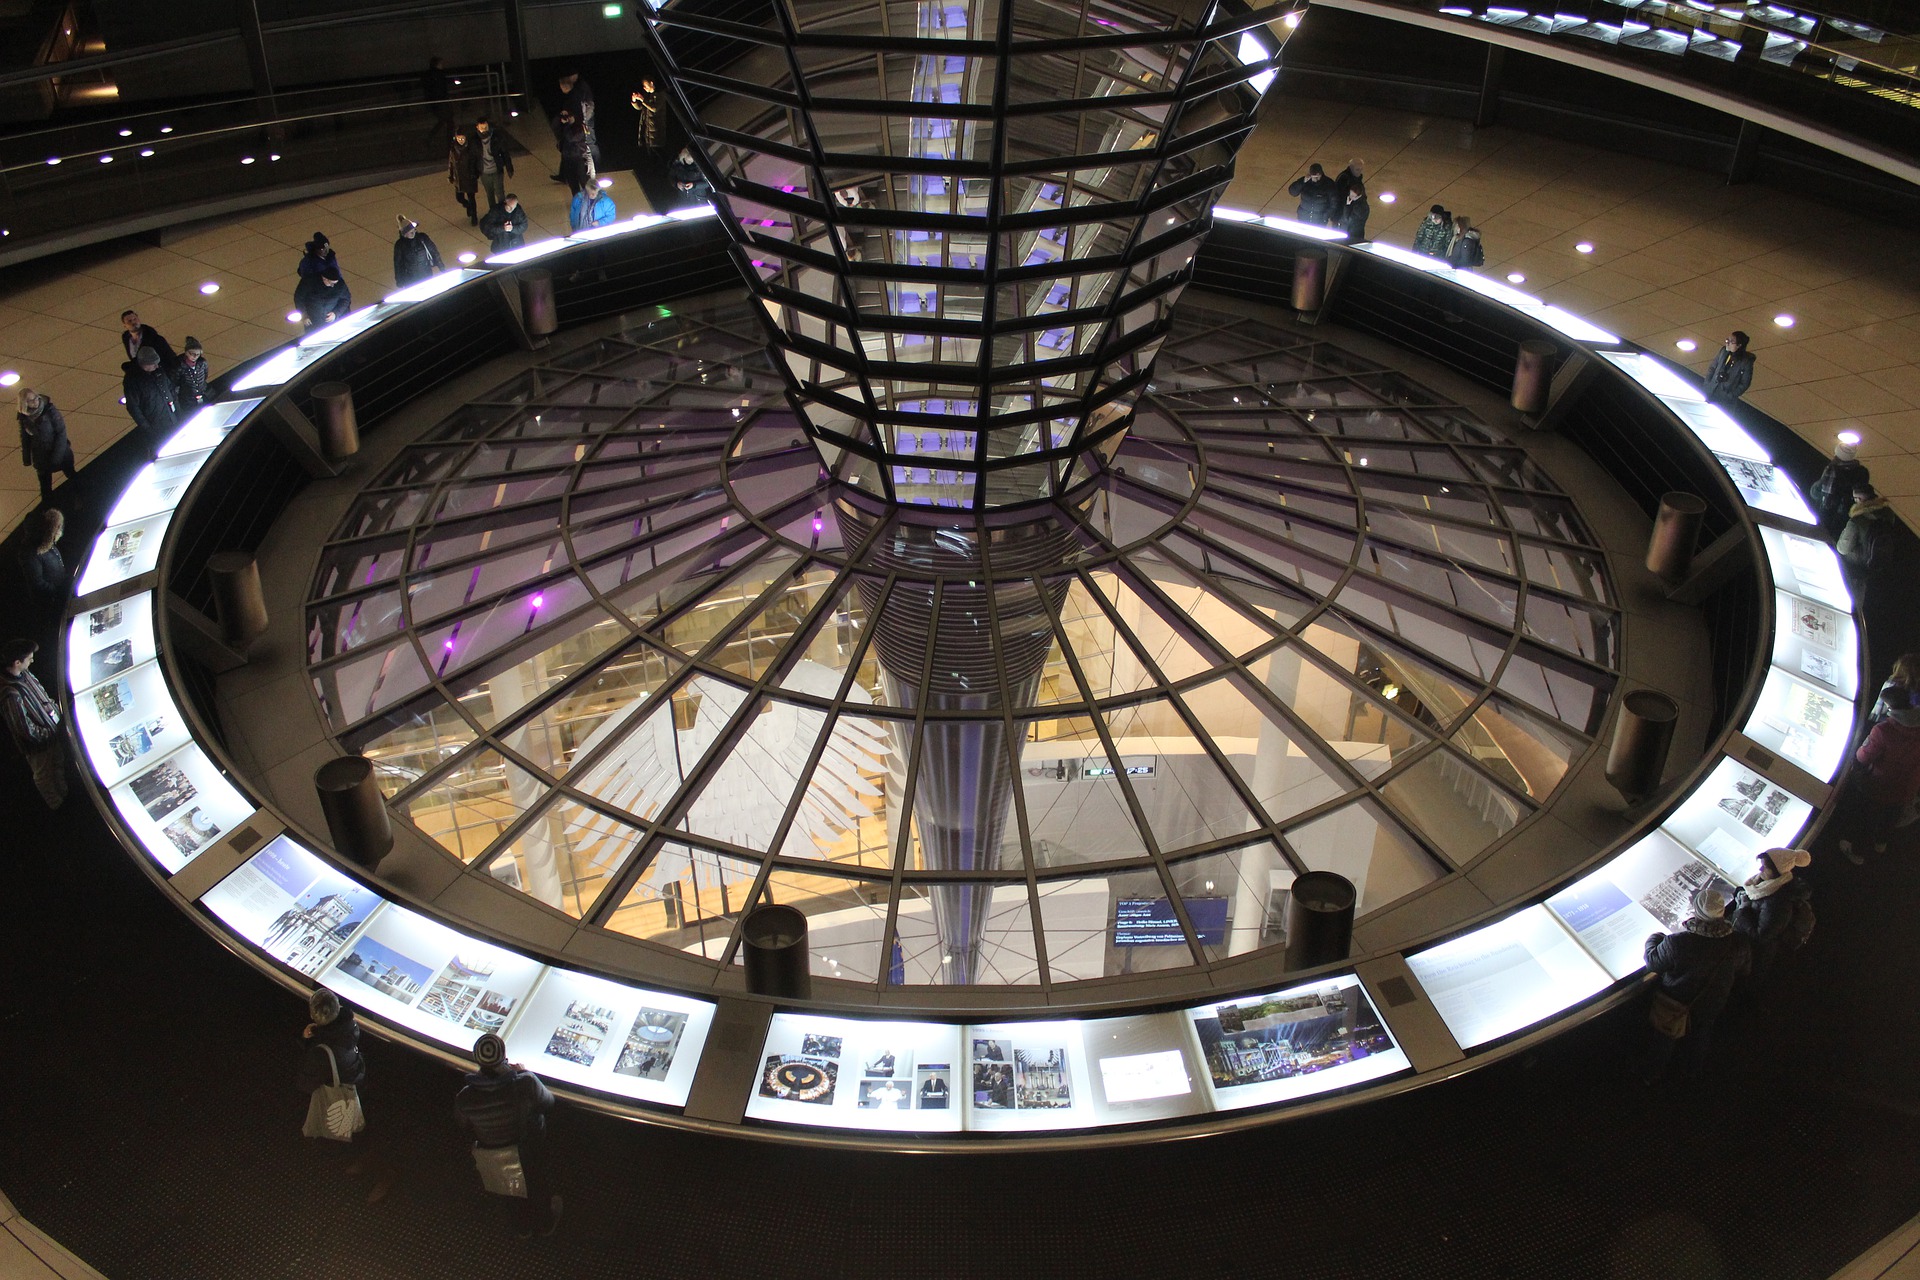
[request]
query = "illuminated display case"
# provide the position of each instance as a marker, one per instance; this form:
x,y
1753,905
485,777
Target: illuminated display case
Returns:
x,y
176,805
126,722
610,1036
1804,722
1735,816
123,552
424,976
1293,1044
1646,890
1507,976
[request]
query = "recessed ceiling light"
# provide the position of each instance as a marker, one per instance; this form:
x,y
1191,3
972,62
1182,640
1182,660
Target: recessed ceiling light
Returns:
x,y
1515,277
53,159
1784,320
1845,437
467,257
274,156
293,317
210,288
166,128
1686,344
246,159
9,379
1387,197
1585,246
145,152
106,159
126,133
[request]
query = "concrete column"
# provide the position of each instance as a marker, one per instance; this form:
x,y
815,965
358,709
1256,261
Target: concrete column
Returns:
x,y
237,598
1675,531
356,811
1641,738
1533,376
1319,919
339,426
774,946
1309,278
536,302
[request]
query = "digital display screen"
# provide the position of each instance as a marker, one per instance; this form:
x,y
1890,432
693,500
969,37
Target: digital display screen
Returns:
x,y
1150,922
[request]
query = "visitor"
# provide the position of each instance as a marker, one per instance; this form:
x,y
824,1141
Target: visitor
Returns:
x,y
576,152
45,569
415,256
43,437
322,294
495,151
1464,251
190,376
1697,965
505,227
1317,194
463,174
1773,909
576,100
1832,493
504,1106
1731,372
134,335
1885,779
33,720
334,1030
1435,235
150,396
1865,541
592,207
645,102
1354,210
687,179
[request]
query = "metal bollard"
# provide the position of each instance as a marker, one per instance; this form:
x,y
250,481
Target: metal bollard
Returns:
x,y
1319,919
774,939
537,309
356,812
1309,279
1533,376
1676,528
237,597
1641,738
339,428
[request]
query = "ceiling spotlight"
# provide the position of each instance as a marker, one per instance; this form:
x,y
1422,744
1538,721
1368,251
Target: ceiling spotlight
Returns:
x,y
274,156
9,379
53,159
246,159
106,159
145,152
1515,277
1387,197
293,317
467,257
605,183
1585,246
1686,344
126,133
166,128
210,288
1292,20
1784,320
1845,437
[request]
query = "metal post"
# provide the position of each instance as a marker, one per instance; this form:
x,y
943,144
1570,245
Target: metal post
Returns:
x,y
774,942
1641,738
517,52
356,812
1675,531
1533,376
237,598
536,302
255,41
1488,108
339,427
1309,279
1319,919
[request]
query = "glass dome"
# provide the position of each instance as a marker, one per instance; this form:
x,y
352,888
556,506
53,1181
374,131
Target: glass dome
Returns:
x,y
614,638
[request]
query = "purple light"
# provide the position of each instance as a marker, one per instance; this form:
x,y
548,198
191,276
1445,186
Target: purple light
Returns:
x,y
449,645
539,600
818,524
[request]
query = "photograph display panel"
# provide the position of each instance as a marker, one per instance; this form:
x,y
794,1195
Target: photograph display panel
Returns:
x,y
127,722
1507,976
1293,1044
419,974
1647,889
1142,1067
123,551
1765,487
849,1073
179,804
110,640
157,487
611,1037
1806,567
1027,1075
208,427
292,905
1735,815
1818,642
1808,725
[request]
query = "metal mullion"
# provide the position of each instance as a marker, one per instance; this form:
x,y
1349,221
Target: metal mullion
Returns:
x,y
991,267
1337,569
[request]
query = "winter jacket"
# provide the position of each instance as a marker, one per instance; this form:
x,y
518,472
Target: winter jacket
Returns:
x,y
506,229
1764,921
1434,237
415,258
493,142
1870,525
46,572
47,429
503,1108
145,336
1318,198
1832,493
150,399
317,300
342,1035
1729,376
1353,217
314,266
1465,251
591,207
1889,760
190,383
32,717
1699,964
463,167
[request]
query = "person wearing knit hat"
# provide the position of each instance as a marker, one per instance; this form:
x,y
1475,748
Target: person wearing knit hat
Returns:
x,y
1435,233
1832,493
1773,909
415,256
1697,965
332,1029
149,394
504,1106
190,376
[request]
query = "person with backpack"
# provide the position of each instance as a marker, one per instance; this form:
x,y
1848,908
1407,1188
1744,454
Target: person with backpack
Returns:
x,y
332,1058
1697,965
1870,527
1885,778
1832,493
504,1106
1773,909
1465,251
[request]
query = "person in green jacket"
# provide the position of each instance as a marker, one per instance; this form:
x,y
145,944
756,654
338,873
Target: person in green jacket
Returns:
x,y
1435,234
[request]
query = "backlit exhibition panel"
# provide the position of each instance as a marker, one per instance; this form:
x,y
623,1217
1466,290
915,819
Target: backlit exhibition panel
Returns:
x,y
1506,976
158,486
123,552
126,722
1646,890
1817,642
294,907
1288,1045
422,975
176,805
1807,567
1806,724
110,640
849,1073
609,1036
207,427
1735,816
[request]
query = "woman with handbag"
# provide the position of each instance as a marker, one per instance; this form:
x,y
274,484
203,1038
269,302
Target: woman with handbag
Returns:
x,y
1697,965
331,1072
504,1106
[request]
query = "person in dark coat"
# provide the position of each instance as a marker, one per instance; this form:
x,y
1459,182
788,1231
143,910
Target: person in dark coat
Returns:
x,y
190,376
1319,197
333,1027
1354,210
576,99
1697,965
1832,493
687,179
322,294
1885,778
415,256
1465,252
463,173
1864,542
1763,908
43,434
45,568
134,335
505,227
1435,235
1731,372
33,720
503,1105
493,149
150,396
576,152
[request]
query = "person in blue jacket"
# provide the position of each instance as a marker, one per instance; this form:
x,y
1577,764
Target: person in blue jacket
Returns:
x,y
592,207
